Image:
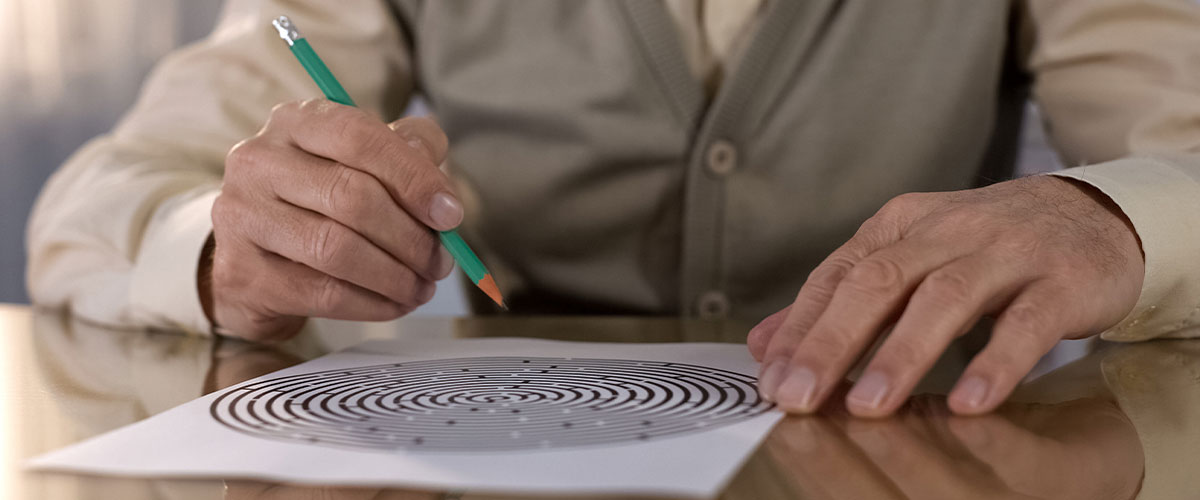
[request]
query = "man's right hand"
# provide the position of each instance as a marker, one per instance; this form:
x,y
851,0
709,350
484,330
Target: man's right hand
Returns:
x,y
327,212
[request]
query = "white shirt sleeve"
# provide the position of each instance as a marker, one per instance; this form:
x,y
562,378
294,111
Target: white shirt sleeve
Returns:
x,y
116,233
1120,87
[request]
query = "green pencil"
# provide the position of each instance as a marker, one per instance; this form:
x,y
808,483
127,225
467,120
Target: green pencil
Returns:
x,y
463,255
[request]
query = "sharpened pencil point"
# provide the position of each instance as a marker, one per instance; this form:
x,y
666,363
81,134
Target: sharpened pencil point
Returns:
x,y
488,285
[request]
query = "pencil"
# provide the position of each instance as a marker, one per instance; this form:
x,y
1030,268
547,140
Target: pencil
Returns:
x,y
462,253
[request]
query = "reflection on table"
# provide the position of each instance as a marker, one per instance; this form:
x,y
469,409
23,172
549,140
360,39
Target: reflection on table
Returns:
x,y
1120,423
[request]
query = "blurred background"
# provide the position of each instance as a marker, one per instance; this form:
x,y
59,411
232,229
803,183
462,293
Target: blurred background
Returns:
x,y
69,69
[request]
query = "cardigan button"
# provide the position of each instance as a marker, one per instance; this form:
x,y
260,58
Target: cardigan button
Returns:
x,y
713,304
721,157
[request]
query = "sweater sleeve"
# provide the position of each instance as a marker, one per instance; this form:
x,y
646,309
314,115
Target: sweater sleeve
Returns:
x,y
117,232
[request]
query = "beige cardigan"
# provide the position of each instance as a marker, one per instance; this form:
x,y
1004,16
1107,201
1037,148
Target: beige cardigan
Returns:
x,y
600,176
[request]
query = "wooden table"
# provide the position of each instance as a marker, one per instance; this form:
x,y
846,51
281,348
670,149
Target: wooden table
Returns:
x,y
1122,416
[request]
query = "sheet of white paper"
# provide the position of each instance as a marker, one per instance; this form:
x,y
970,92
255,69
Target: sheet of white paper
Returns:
x,y
499,415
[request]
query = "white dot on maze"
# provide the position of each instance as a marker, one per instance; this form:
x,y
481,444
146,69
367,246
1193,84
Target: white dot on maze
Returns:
x,y
566,410
409,418
522,419
515,434
600,423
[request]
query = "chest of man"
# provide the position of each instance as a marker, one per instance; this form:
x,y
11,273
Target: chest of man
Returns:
x,y
600,176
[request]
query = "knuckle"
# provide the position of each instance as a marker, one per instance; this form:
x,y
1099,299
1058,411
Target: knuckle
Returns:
x,y
409,178
828,344
284,110
826,277
875,275
355,136
430,136
243,156
327,245
1025,317
440,141
347,133
946,286
901,204
220,211
225,276
1026,326
346,194
311,106
330,294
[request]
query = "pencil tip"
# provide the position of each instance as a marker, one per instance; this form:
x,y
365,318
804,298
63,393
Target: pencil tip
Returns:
x,y
488,285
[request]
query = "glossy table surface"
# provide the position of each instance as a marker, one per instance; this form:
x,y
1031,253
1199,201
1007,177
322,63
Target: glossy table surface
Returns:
x,y
1121,422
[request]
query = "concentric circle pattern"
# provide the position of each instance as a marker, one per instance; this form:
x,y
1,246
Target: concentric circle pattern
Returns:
x,y
491,404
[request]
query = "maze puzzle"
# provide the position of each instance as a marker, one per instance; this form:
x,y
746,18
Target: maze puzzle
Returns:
x,y
486,404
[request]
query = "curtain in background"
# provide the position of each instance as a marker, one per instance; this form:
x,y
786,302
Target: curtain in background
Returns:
x,y
68,69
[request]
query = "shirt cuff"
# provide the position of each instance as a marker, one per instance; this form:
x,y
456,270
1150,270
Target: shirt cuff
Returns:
x,y
164,292
1160,199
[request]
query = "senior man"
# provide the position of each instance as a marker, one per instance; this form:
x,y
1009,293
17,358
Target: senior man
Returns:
x,y
708,158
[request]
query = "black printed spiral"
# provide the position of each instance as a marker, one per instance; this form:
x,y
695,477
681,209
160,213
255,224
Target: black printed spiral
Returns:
x,y
491,404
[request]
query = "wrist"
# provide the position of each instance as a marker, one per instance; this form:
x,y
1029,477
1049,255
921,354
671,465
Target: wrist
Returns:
x,y
204,278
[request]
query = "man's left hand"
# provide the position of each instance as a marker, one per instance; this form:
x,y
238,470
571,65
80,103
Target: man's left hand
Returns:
x,y
1052,258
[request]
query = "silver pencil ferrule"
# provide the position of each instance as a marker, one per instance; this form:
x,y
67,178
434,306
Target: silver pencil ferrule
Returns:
x,y
287,30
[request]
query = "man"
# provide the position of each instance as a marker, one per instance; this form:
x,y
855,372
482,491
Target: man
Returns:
x,y
696,157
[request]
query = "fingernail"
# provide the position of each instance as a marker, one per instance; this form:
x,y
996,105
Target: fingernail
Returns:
x,y
869,392
445,211
798,390
971,392
769,379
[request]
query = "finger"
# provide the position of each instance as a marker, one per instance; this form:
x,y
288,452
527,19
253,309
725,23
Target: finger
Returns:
x,y
812,299
884,228
870,294
1024,332
825,463
354,138
294,289
760,335
326,245
943,307
360,202
269,296
423,133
